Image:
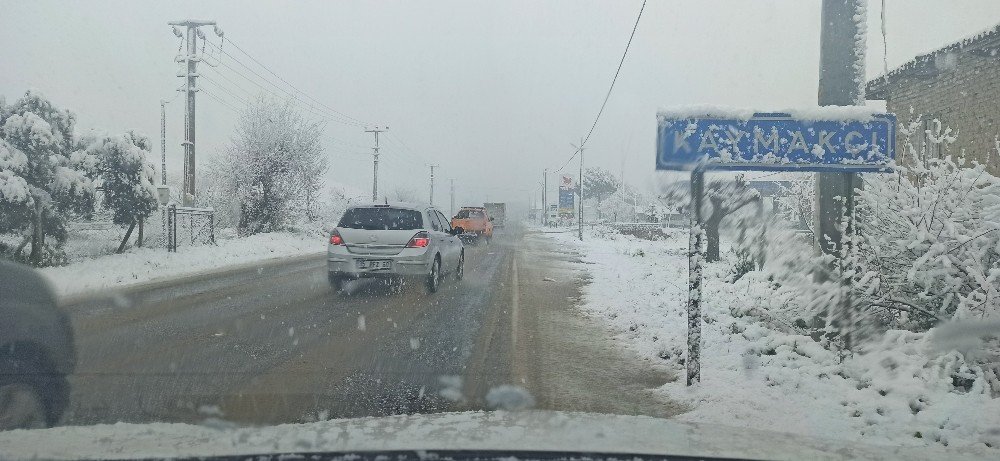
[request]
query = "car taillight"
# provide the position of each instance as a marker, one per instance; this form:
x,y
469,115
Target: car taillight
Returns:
x,y
336,239
420,240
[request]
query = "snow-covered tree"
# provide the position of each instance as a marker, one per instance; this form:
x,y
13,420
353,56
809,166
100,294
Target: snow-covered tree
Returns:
x,y
404,194
127,179
719,200
797,203
599,184
43,180
274,166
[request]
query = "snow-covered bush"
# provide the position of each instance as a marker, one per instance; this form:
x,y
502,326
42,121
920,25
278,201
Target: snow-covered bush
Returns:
x,y
272,172
43,183
925,252
929,241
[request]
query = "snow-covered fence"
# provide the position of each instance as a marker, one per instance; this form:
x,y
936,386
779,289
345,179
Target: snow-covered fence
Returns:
x,y
188,226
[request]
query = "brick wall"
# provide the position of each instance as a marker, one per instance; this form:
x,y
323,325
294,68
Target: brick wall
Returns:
x,y
964,93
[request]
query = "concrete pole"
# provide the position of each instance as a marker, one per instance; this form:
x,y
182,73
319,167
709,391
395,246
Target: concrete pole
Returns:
x,y
163,142
545,197
376,131
579,219
841,79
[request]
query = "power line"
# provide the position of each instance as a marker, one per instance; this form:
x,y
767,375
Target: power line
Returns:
x,y
335,115
286,94
231,82
290,85
617,71
219,100
395,139
567,161
234,95
610,88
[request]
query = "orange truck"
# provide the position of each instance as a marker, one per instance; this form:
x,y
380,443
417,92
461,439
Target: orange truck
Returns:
x,y
476,224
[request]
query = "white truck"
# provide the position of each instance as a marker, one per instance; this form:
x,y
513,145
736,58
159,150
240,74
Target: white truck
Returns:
x,y
497,211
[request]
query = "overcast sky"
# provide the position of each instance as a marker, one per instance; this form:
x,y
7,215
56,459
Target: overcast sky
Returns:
x,y
492,91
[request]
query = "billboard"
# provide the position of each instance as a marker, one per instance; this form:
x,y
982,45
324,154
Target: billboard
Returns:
x,y
566,197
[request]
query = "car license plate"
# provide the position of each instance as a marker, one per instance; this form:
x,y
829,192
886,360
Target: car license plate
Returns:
x,y
374,264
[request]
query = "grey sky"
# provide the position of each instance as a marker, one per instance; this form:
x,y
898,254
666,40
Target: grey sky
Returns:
x,y
493,91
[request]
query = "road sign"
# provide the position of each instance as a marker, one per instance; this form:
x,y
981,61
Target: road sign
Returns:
x,y
566,198
775,142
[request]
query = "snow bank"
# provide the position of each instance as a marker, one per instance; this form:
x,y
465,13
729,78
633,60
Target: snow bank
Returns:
x,y
758,371
140,265
477,431
814,113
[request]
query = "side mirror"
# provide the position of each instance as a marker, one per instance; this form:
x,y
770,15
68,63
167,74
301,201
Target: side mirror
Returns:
x,y
457,231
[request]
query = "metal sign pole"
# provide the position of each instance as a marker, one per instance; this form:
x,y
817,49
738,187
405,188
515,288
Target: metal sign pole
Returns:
x,y
695,259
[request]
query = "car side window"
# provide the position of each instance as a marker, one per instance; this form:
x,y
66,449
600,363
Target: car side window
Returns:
x,y
435,220
445,223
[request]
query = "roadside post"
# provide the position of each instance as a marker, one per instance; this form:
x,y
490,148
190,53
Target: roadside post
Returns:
x,y
695,257
844,140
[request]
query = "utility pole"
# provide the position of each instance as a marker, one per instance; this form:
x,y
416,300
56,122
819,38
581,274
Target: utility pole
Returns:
x,y
191,60
579,216
433,166
375,130
452,209
841,76
163,142
545,197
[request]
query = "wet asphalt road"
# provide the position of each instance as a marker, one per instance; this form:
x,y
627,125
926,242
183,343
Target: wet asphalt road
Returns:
x,y
275,344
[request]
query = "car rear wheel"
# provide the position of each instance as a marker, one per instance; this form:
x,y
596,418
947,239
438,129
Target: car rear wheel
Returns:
x,y
21,407
460,270
434,277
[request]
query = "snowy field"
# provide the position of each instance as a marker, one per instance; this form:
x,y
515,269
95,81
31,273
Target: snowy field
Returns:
x,y
139,265
759,372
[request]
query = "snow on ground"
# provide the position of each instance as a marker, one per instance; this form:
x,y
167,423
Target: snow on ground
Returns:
x,y
759,372
139,265
477,431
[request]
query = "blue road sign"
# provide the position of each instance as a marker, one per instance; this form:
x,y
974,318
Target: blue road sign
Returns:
x,y
566,199
775,142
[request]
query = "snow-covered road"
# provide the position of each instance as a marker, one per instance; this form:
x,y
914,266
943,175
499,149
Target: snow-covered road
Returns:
x,y
271,343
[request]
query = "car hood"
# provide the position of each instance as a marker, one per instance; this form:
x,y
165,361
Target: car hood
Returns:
x,y
504,432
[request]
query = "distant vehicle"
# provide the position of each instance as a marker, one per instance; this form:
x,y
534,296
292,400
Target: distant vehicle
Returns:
x,y
475,222
36,351
394,240
497,211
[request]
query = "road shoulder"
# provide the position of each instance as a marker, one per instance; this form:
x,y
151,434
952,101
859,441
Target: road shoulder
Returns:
x,y
568,361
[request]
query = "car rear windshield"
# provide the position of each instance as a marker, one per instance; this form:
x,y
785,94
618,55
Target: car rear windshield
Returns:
x,y
465,214
379,218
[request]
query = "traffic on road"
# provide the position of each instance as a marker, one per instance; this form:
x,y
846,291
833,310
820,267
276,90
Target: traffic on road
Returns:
x,y
528,230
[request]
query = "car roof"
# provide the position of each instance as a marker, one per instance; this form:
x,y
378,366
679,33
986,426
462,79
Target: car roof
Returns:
x,y
402,205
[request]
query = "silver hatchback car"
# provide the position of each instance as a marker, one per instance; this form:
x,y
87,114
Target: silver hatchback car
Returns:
x,y
394,240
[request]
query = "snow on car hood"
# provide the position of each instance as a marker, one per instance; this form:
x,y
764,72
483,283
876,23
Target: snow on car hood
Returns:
x,y
504,431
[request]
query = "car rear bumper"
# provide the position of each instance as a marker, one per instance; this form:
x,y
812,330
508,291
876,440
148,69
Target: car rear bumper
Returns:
x,y
347,266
